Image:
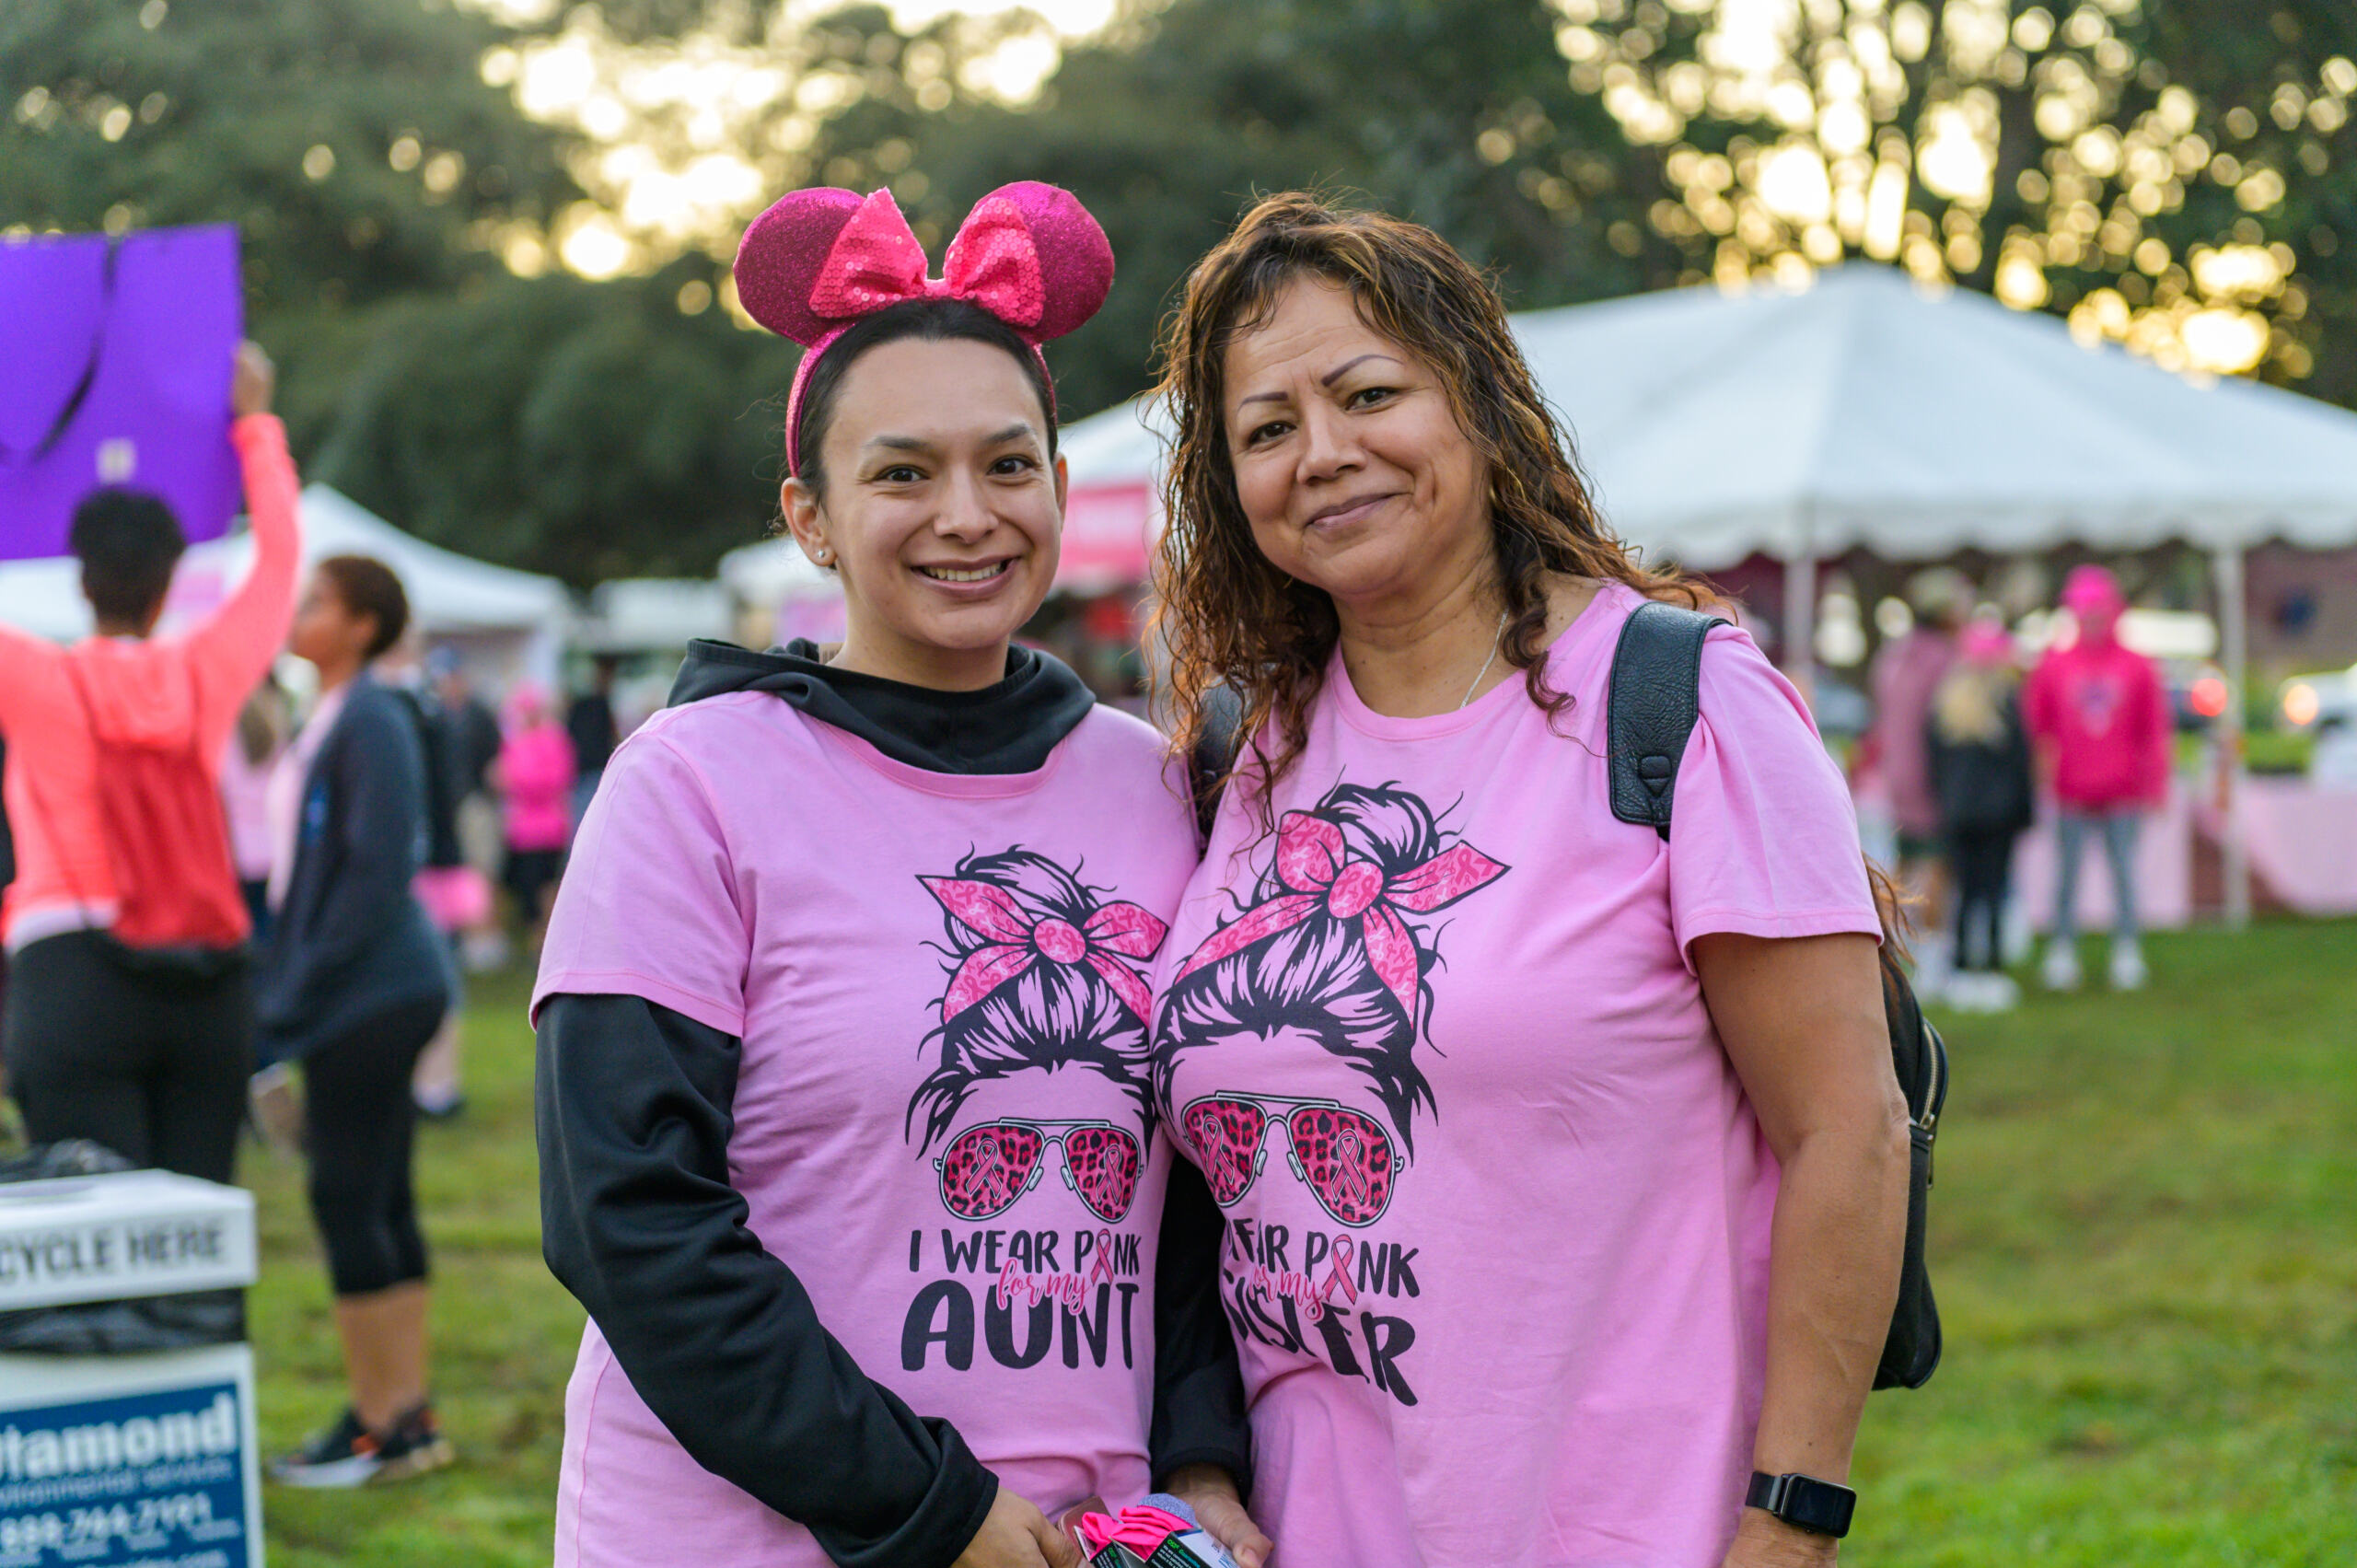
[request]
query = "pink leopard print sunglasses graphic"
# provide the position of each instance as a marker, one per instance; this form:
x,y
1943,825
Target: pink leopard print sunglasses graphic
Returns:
x,y
1344,1157
992,1163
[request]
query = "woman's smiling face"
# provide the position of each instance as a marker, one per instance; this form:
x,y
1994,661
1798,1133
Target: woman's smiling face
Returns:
x,y
1349,461
943,509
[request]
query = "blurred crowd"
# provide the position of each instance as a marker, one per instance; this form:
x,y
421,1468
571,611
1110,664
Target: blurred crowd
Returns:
x,y
1968,736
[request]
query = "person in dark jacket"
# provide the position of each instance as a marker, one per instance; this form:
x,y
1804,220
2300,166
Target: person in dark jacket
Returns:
x,y
352,985
1979,763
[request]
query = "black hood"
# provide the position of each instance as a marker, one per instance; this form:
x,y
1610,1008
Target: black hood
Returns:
x,y
1006,728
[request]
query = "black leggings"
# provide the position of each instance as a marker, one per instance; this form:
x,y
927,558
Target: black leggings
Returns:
x,y
360,1129
151,1062
1983,861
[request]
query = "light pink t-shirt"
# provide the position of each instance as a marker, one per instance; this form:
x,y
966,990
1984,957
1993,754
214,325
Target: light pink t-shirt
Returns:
x,y
1499,1211
939,981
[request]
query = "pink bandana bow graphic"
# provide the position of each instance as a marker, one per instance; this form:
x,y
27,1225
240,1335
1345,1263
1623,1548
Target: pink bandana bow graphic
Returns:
x,y
1314,861
1015,942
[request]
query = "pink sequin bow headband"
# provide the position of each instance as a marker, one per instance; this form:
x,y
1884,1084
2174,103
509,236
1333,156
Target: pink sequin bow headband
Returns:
x,y
821,260
1013,942
1313,861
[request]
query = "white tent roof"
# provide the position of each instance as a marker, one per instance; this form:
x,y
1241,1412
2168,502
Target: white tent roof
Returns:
x,y
775,570
448,593
1864,411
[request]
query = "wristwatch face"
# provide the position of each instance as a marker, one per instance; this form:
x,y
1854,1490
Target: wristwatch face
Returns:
x,y
1818,1505
1805,1502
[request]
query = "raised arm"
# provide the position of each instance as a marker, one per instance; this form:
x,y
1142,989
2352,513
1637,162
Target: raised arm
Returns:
x,y
233,648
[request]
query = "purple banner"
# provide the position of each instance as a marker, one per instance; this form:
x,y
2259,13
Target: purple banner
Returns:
x,y
114,369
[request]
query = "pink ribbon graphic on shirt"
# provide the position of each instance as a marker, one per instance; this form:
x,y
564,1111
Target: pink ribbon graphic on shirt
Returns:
x,y
1013,942
1314,861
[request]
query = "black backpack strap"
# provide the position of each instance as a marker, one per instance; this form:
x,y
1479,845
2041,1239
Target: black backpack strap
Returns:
x,y
1656,696
1217,744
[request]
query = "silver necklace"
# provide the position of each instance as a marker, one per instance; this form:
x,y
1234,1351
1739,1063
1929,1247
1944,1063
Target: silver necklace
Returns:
x,y
1496,643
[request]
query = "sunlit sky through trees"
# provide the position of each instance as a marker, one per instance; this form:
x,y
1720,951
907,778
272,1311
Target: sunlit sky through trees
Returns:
x,y
1965,140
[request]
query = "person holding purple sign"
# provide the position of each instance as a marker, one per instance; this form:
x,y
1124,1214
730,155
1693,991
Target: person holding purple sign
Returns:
x,y
130,1019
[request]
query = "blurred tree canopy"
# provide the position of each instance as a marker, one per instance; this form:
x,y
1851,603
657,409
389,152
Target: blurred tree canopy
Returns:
x,y
2177,174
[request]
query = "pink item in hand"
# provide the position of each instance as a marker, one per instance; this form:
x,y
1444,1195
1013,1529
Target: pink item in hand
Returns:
x,y
821,260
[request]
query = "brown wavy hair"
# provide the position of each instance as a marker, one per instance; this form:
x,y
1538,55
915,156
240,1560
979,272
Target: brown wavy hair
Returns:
x,y
1229,618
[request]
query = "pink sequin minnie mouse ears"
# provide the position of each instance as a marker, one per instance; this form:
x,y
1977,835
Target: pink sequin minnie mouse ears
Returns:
x,y
822,260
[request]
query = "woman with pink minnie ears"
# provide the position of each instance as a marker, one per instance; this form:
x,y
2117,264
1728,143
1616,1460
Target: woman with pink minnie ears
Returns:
x,y
844,1116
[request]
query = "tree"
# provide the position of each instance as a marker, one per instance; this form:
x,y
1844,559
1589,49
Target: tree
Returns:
x,y
352,142
2175,174
590,430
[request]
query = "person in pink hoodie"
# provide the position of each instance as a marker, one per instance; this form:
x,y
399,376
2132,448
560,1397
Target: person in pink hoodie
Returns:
x,y
130,1017
2100,719
535,776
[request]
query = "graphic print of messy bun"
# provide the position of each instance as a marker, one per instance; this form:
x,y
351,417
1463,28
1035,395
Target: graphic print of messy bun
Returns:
x,y
1044,974
1330,947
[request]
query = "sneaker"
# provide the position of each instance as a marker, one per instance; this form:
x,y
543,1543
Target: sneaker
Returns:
x,y
2128,971
277,1106
2060,970
444,1105
349,1455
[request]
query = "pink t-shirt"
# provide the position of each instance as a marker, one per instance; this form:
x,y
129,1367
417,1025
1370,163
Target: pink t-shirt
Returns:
x,y
939,981
1499,1210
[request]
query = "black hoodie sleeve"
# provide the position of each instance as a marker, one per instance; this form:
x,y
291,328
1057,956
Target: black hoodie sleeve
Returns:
x,y
638,1219
1197,1382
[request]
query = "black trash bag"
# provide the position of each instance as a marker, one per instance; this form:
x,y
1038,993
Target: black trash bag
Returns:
x,y
112,1328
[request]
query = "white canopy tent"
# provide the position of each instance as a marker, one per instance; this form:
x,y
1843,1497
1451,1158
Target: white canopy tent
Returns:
x,y
513,621
1867,411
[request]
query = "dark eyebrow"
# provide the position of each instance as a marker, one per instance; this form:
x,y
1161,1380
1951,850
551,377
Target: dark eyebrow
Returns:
x,y
1325,380
1340,371
1013,432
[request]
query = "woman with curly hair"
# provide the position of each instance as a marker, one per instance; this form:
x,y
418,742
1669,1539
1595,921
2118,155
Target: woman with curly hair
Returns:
x,y
1564,1165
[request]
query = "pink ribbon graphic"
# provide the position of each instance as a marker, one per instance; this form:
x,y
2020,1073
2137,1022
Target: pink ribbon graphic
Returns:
x,y
1313,861
1139,1526
876,261
1013,942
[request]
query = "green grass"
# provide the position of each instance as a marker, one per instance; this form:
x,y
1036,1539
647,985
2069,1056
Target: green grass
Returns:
x,y
2144,1243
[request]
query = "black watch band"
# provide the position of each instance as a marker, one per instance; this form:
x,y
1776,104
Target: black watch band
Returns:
x,y
1803,1501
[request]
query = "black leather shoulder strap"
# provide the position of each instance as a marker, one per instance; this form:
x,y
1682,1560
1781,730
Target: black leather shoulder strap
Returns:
x,y
1656,695
1216,745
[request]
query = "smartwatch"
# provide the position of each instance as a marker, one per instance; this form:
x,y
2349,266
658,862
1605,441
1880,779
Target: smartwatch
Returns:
x,y
1803,1502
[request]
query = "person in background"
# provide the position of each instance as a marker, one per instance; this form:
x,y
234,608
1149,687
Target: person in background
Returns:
x,y
130,1010
589,722
1906,672
535,773
472,741
455,895
354,984
260,734
2100,718
1979,769
8,875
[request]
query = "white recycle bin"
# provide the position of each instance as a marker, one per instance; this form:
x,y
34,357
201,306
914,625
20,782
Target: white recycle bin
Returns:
x,y
127,1461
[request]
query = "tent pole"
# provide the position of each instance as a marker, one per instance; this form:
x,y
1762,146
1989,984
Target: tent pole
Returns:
x,y
1800,623
2234,638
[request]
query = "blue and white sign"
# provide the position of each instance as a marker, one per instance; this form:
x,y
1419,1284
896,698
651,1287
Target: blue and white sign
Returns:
x,y
152,1480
